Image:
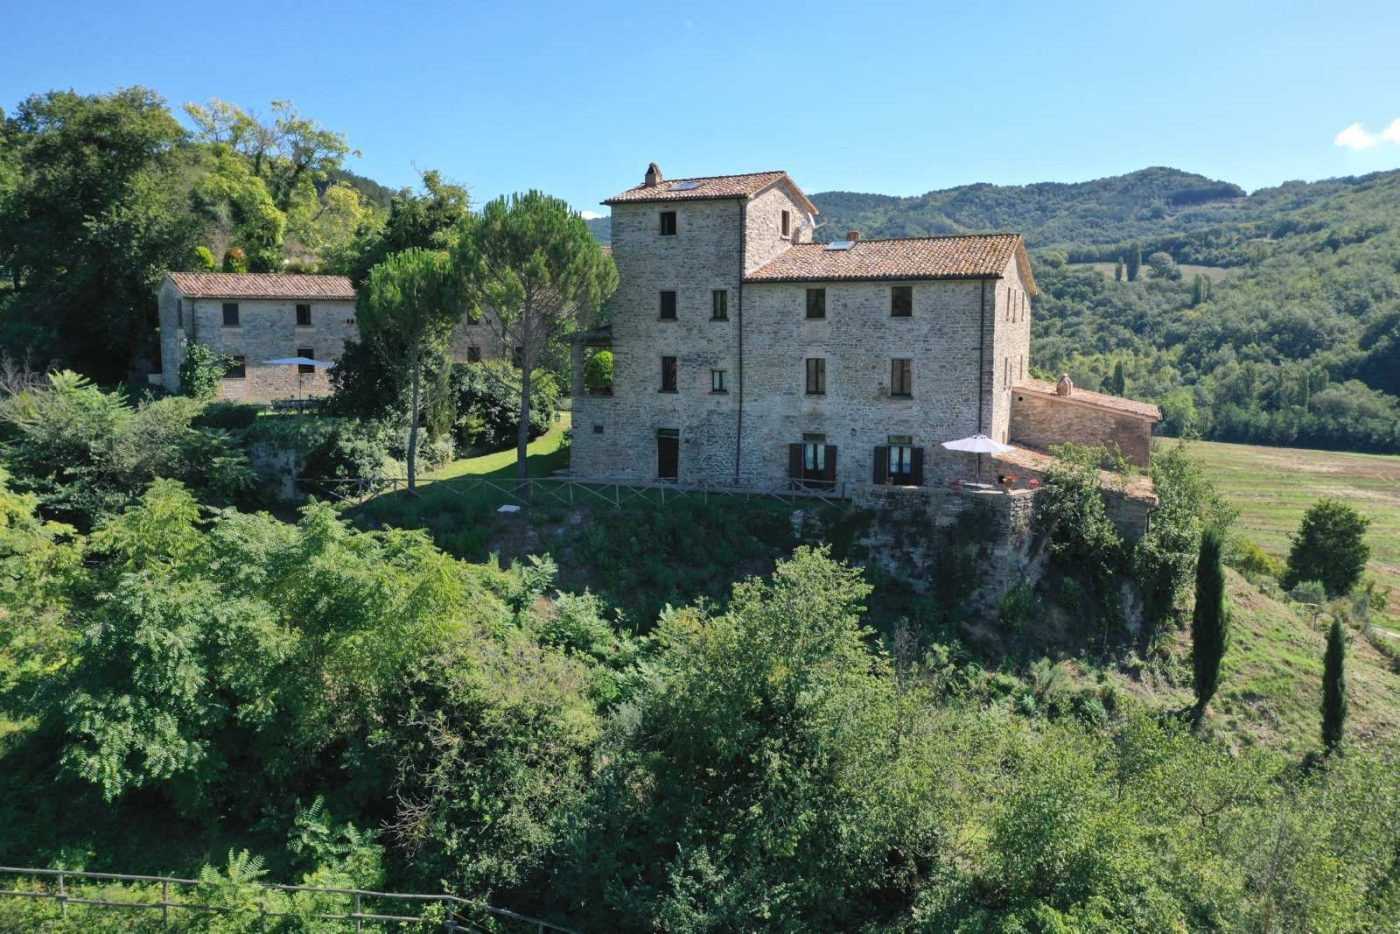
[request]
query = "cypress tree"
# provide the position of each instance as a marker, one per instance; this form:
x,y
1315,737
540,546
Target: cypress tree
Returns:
x,y
1120,383
1334,688
1210,623
1198,290
1118,271
1134,262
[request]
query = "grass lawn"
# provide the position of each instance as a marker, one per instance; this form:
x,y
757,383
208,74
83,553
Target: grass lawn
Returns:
x,y
1273,487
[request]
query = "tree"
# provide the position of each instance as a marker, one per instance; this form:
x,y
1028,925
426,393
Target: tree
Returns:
x,y
407,309
1118,271
202,369
1210,622
1334,688
1134,262
94,218
533,263
1330,547
1120,383
424,220
1163,266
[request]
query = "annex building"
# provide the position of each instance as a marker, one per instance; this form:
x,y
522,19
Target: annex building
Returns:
x,y
258,317
746,354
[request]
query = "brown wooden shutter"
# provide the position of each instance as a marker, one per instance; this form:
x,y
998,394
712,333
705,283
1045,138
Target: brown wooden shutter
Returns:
x,y
882,463
795,461
918,466
831,463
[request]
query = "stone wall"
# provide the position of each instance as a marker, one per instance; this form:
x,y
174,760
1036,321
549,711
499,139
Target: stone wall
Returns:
x,y
1011,346
266,330
1039,421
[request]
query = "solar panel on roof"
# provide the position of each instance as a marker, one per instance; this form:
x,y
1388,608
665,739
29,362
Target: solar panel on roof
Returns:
x,y
684,186
840,244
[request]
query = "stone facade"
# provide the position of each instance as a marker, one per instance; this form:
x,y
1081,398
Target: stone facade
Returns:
x,y
967,339
1039,420
267,329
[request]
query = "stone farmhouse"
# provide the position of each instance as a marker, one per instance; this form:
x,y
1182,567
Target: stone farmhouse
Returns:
x,y
256,317
748,355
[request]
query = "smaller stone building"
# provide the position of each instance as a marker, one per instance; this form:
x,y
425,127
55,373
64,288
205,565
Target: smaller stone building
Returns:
x,y
1045,414
256,317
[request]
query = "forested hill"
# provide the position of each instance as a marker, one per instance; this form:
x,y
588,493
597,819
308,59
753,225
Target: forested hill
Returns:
x,y
1149,203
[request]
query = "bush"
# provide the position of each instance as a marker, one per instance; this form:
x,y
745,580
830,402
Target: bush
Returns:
x,y
204,259
1253,562
598,372
488,404
1329,547
235,260
202,370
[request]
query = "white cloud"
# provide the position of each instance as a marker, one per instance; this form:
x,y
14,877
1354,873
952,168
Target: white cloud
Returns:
x,y
594,215
1357,136
1391,134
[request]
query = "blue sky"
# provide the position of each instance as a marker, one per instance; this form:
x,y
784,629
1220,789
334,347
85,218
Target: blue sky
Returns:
x,y
900,98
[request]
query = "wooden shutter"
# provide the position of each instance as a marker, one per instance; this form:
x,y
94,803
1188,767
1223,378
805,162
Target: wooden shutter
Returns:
x,y
918,466
830,463
882,463
795,461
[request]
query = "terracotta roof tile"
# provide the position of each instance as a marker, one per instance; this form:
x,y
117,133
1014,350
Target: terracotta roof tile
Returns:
x,y
972,256
1098,399
265,285
697,189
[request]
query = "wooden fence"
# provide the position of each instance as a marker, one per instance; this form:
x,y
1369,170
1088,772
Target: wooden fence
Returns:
x,y
568,491
457,913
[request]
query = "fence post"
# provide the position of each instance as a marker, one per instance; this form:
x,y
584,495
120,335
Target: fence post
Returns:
x,y
62,897
165,902
359,926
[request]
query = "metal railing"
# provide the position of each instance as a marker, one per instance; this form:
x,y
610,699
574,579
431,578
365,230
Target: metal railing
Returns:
x,y
569,491
457,910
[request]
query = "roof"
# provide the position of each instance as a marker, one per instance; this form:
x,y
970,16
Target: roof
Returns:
x,y
266,285
712,187
1097,399
970,256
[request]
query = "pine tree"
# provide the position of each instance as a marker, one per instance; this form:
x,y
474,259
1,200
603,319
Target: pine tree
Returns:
x,y
1334,688
1210,623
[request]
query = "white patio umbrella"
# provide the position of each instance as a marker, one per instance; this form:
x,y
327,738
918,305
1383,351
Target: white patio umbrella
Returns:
x,y
978,444
300,361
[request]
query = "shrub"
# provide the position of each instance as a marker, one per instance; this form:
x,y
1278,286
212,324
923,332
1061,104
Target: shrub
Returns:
x,y
202,370
204,260
598,372
1253,562
1329,547
488,404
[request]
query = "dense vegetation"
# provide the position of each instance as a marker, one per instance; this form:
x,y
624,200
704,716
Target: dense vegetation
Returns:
x,y
1298,344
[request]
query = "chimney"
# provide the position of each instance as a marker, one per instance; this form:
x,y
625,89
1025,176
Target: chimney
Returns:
x,y
1065,386
853,235
653,176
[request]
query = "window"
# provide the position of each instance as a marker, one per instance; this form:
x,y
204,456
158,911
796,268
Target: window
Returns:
x,y
1006,371
719,305
814,454
816,376
899,462
813,462
668,306
237,369
902,378
230,314
310,354
668,374
473,354
597,428
787,223
901,301
668,223
1021,367
816,303
717,381
303,316
179,312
